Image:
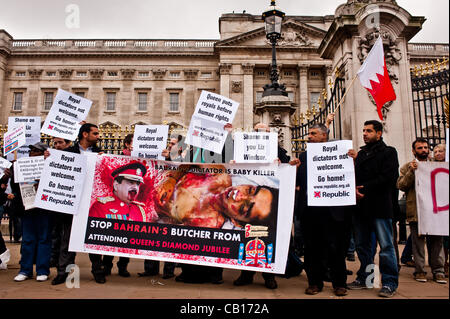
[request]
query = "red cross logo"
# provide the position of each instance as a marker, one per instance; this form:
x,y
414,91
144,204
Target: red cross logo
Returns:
x,y
50,127
316,194
44,197
196,133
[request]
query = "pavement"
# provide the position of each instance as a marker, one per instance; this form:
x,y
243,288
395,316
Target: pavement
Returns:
x,y
155,287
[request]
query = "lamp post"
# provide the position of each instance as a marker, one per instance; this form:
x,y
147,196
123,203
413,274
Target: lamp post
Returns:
x,y
273,17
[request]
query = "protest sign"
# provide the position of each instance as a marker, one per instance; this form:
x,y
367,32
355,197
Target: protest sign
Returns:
x,y
4,164
432,198
61,182
13,139
27,169
212,113
331,174
28,193
255,147
32,133
231,216
149,141
67,111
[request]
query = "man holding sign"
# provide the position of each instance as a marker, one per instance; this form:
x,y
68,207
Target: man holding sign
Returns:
x,y
325,229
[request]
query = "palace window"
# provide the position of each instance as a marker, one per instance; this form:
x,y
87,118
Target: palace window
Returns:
x,y
81,73
110,101
51,73
175,75
143,74
313,98
20,74
174,102
18,101
112,73
48,100
142,101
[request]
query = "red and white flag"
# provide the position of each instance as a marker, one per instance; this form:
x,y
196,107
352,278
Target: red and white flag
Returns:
x,y
374,76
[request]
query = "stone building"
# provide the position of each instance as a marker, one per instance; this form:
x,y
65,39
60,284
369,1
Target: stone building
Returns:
x,y
155,81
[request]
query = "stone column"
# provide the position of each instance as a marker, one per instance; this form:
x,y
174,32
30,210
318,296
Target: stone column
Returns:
x,y
248,96
5,45
303,86
225,69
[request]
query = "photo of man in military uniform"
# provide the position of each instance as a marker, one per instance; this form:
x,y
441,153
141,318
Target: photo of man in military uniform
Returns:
x,y
123,205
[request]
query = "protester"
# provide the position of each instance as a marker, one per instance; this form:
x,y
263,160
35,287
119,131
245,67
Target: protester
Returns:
x,y
439,156
36,234
5,254
406,183
246,276
376,170
326,231
88,137
62,224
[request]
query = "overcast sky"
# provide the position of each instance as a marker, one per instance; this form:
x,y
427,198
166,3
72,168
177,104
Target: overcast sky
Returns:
x,y
174,19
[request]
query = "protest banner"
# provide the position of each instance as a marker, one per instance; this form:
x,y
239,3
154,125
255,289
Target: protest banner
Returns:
x,y
32,133
13,139
67,111
28,169
212,113
149,141
231,216
331,174
28,193
432,198
255,147
61,182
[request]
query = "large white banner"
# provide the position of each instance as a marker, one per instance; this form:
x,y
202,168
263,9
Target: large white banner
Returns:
x,y
432,198
331,174
28,169
61,183
32,132
233,216
67,111
255,147
149,141
212,113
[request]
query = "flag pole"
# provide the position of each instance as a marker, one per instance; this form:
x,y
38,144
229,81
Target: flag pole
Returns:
x,y
345,94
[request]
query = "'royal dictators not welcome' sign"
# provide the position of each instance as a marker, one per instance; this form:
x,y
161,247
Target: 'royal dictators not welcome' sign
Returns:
x,y
61,182
67,111
331,174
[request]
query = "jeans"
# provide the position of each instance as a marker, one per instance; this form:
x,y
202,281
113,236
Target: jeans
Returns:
x,y
387,258
36,243
407,254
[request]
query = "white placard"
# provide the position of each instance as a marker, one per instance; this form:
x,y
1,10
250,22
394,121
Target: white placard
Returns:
x,y
149,141
62,182
28,193
255,147
28,169
432,198
67,111
212,113
13,139
331,174
4,163
32,133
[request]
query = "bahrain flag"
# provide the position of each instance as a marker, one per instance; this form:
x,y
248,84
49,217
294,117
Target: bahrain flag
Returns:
x,y
374,76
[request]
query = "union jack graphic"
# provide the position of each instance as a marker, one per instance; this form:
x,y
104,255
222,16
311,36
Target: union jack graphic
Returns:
x,y
255,253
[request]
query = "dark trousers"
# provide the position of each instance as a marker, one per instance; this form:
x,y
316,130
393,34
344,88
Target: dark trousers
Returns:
x,y
326,244
152,266
250,274
121,264
65,257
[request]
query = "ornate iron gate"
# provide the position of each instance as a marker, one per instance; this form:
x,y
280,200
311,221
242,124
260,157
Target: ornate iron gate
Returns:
x,y
430,89
300,129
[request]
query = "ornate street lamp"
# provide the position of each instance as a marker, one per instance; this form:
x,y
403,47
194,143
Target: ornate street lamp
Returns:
x,y
273,18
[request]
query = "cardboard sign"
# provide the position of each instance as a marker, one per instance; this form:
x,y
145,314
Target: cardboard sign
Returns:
x,y
32,133
61,182
331,174
255,147
28,169
432,197
149,141
67,111
212,113
13,139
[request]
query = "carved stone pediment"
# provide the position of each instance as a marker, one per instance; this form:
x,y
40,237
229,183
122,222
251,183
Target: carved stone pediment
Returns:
x,y
35,73
128,73
159,74
65,73
292,37
96,73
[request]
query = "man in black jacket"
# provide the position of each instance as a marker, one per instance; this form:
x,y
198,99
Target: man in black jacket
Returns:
x,y
376,169
325,230
87,142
